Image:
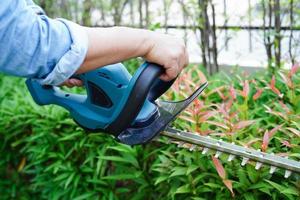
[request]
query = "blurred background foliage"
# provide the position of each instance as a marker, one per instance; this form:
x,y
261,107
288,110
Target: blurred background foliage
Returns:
x,y
45,155
210,27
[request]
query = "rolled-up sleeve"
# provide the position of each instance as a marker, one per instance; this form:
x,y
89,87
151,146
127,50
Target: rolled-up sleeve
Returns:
x,y
35,46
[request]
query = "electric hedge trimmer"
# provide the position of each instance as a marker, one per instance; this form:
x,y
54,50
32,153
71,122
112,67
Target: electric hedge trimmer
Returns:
x,y
128,108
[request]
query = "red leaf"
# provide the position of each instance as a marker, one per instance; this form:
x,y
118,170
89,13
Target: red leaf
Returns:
x,y
221,88
266,140
197,107
197,103
267,137
228,184
233,115
232,92
243,124
222,109
229,104
201,75
273,87
287,80
222,173
279,114
218,124
188,119
293,70
219,167
274,130
245,91
287,110
257,94
207,116
286,143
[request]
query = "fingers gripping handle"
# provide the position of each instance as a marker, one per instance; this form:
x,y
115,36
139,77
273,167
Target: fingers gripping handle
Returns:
x,y
46,94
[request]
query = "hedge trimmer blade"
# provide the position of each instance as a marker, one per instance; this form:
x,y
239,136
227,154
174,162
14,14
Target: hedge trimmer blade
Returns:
x,y
194,141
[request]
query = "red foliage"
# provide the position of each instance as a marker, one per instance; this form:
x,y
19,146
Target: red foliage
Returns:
x,y
222,173
257,94
267,137
273,87
246,89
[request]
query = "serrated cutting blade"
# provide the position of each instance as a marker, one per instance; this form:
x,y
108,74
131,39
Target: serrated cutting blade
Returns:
x,y
235,150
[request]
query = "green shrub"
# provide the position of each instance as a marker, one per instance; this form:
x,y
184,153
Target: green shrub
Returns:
x,y
45,155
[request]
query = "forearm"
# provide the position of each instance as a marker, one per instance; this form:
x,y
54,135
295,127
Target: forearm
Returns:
x,y
112,45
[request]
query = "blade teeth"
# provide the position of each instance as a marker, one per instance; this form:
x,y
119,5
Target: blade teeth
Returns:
x,y
193,147
287,174
258,165
244,161
272,169
219,142
204,151
218,153
231,158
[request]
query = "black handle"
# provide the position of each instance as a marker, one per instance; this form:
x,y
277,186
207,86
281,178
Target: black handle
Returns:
x,y
146,86
159,88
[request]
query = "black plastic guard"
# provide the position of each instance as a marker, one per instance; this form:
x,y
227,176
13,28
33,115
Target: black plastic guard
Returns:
x,y
168,111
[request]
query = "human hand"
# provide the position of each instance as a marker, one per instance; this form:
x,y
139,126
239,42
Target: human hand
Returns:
x,y
72,82
169,52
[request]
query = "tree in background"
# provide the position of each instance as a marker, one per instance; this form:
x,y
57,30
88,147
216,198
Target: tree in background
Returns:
x,y
207,26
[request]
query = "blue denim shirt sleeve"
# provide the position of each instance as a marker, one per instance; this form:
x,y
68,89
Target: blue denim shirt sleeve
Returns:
x,y
35,46
37,9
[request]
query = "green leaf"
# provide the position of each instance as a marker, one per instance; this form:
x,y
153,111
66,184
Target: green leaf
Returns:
x,y
276,185
84,196
249,196
61,177
69,179
191,168
290,190
213,185
70,136
183,189
265,190
123,148
128,159
243,178
123,176
160,179
178,171
284,190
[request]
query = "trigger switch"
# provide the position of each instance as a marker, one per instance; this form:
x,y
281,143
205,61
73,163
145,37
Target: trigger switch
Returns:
x,y
98,96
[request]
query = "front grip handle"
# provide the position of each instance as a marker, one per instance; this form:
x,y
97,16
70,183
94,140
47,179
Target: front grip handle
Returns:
x,y
143,87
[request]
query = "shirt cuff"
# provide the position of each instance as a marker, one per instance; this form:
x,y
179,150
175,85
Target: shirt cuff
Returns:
x,y
72,59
